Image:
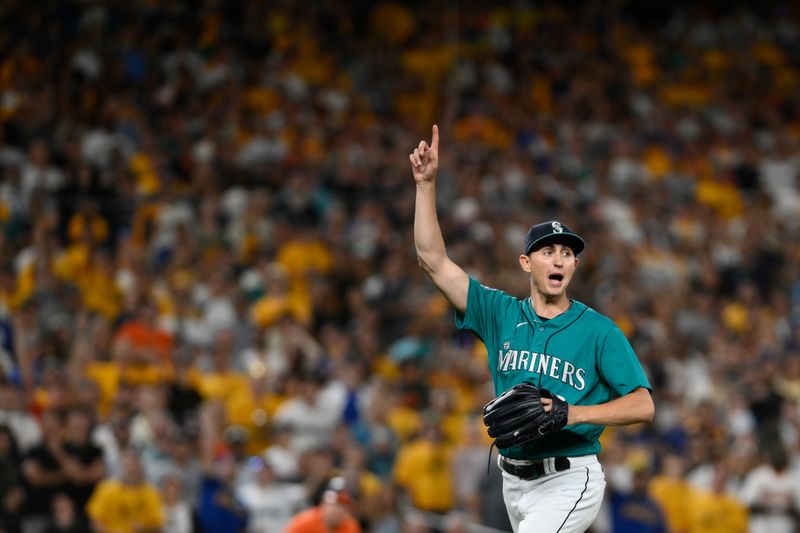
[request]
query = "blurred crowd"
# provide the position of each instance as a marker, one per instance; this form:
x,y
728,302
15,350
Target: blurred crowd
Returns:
x,y
209,299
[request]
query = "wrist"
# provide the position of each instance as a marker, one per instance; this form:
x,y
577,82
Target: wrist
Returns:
x,y
576,415
427,185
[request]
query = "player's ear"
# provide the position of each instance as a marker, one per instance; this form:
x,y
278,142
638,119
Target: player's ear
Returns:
x,y
525,263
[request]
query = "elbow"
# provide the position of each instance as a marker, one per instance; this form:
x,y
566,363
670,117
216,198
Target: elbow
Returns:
x,y
422,264
649,408
426,265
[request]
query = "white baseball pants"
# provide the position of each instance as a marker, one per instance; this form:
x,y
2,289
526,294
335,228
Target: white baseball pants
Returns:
x,y
562,502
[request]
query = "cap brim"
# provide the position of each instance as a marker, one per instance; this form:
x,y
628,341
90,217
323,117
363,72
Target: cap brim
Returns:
x,y
568,239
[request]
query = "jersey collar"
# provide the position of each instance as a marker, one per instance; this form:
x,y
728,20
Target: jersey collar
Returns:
x,y
570,314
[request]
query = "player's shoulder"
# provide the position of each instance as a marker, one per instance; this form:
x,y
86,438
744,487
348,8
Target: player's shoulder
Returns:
x,y
493,292
592,317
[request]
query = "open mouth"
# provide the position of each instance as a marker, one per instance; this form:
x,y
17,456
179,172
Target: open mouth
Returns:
x,y
556,277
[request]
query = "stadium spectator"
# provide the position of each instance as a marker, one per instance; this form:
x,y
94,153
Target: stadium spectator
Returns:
x,y
270,504
81,460
771,492
43,469
424,468
66,517
179,514
636,510
130,504
12,492
332,513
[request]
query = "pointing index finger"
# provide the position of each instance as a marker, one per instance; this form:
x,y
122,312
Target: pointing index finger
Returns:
x,y
435,139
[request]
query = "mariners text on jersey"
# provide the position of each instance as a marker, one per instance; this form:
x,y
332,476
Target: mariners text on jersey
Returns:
x,y
543,364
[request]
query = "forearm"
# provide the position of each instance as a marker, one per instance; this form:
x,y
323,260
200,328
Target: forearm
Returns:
x,y
632,408
428,239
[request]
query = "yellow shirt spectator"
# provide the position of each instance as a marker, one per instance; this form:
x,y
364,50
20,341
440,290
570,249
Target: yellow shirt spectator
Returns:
x,y
270,308
735,317
100,292
220,385
22,289
71,261
147,181
252,411
423,468
716,513
108,376
80,223
453,428
125,508
657,161
673,495
392,22
641,59
404,421
300,257
721,196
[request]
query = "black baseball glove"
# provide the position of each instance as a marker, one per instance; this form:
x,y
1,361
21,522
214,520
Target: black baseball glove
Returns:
x,y
518,416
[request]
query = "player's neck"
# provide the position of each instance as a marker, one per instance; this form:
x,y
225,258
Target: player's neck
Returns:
x,y
549,307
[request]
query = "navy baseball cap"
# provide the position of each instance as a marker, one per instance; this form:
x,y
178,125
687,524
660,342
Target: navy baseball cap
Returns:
x,y
551,233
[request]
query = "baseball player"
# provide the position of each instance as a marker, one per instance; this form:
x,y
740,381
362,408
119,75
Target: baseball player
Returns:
x,y
576,364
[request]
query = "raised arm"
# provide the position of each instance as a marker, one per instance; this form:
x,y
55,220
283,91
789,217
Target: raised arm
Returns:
x,y
431,253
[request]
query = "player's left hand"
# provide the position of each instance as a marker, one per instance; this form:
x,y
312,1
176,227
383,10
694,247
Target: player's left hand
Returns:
x,y
518,415
547,406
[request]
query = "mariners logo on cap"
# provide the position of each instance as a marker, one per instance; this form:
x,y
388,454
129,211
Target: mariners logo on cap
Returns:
x,y
557,227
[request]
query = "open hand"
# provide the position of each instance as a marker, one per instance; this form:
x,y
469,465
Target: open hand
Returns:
x,y
425,159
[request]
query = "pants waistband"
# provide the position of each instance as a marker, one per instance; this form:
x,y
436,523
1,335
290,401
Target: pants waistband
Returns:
x,y
529,470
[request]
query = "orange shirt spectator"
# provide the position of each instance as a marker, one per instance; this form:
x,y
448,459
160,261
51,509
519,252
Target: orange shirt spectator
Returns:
x,y
332,515
142,333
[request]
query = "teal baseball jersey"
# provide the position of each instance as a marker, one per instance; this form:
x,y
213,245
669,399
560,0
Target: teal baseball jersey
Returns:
x,y
579,355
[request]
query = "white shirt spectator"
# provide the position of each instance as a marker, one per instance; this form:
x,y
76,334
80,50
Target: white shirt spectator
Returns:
x,y
178,518
271,506
46,178
779,178
777,494
23,426
284,462
312,422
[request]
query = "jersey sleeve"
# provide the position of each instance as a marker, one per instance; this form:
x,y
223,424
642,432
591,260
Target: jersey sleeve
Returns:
x,y
486,308
619,365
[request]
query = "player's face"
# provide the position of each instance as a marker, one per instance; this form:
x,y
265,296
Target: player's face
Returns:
x,y
551,268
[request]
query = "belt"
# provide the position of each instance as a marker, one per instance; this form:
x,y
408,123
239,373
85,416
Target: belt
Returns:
x,y
535,469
